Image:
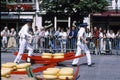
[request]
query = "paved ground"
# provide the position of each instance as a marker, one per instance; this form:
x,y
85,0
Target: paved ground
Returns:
x,y
105,67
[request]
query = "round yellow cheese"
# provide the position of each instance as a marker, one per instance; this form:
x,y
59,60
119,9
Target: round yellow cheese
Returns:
x,y
65,77
46,54
50,77
23,65
21,69
58,57
11,63
67,68
50,72
66,73
5,72
58,54
11,69
7,66
56,69
47,57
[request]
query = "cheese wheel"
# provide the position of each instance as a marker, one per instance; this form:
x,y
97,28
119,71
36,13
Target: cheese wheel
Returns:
x,y
67,68
58,54
56,69
11,69
49,76
58,57
23,65
11,63
7,66
21,69
50,72
5,72
64,77
66,73
46,56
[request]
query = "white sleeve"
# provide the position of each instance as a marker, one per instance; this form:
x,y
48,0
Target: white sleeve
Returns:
x,y
81,32
24,31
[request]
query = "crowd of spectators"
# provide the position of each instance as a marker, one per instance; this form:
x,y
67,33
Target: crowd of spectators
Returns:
x,y
64,39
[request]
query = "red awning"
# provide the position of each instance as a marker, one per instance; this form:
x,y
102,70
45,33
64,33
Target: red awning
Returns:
x,y
107,14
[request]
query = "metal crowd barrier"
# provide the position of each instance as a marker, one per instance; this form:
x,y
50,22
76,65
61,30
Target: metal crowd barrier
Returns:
x,y
55,45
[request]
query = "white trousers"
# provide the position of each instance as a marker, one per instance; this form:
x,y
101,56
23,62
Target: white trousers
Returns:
x,y
81,46
23,44
4,42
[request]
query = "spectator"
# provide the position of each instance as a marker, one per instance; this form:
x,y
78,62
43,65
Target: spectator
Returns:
x,y
5,34
72,37
63,40
102,43
42,39
58,39
35,39
51,39
110,36
104,39
118,39
89,37
95,38
12,38
46,39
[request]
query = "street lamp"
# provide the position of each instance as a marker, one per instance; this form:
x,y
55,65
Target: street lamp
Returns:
x,y
116,6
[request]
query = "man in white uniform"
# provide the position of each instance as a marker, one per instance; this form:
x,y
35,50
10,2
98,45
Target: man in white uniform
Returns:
x,y
23,41
82,45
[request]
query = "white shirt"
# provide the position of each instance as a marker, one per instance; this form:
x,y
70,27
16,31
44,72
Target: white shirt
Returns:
x,y
82,33
101,35
63,35
46,33
24,32
5,33
110,35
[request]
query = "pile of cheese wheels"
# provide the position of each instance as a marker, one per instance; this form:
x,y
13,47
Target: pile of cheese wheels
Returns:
x,y
58,74
55,56
8,67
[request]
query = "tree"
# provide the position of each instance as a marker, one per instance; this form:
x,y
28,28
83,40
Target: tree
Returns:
x,y
80,8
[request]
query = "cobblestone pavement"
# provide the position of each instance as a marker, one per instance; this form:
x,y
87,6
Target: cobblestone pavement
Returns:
x,y
105,67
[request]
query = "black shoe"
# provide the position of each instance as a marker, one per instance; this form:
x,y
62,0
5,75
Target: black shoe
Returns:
x,y
74,64
90,65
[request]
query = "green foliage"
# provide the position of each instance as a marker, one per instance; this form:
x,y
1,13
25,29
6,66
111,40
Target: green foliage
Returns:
x,y
70,7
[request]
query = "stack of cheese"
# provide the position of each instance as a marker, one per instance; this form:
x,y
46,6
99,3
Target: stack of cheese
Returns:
x,y
58,74
55,56
66,73
46,55
51,73
7,68
58,55
22,66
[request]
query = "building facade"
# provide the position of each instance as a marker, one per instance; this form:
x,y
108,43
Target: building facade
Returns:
x,y
13,12
109,19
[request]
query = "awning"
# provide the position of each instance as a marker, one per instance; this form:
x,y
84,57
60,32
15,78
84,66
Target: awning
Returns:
x,y
106,14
